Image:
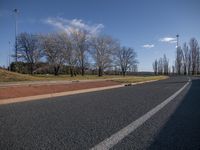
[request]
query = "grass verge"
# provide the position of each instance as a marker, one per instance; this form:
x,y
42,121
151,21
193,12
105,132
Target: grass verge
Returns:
x,y
135,79
7,76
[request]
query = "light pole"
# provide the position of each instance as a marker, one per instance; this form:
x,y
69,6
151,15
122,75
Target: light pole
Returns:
x,y
9,57
177,37
16,12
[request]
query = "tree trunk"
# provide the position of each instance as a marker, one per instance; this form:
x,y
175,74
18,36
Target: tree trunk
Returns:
x,y
193,70
123,72
56,69
100,72
71,71
82,71
185,71
31,68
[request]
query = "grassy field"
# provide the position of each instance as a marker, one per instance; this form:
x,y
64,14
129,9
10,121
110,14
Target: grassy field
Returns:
x,y
7,76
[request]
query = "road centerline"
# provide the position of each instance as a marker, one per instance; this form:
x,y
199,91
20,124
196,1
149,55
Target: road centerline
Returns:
x,y
121,134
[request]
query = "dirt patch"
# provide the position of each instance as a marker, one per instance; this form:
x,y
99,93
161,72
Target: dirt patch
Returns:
x,y
32,90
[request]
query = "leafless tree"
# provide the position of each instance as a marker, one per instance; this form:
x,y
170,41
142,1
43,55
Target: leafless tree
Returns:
x,y
173,69
81,45
53,51
165,65
126,58
186,58
155,67
134,67
198,62
194,48
68,51
29,49
160,66
179,58
102,48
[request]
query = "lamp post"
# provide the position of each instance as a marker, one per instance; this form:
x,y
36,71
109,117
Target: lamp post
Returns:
x,y
177,37
9,57
16,12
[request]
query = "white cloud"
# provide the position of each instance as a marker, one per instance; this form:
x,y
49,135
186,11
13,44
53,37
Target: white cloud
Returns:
x,y
170,40
74,24
148,46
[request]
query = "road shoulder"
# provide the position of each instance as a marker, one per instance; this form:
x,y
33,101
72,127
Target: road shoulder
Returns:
x,y
35,92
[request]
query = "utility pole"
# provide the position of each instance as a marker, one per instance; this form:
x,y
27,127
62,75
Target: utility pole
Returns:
x,y
16,12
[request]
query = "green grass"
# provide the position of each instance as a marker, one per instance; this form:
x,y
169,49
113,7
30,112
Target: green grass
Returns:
x,y
7,76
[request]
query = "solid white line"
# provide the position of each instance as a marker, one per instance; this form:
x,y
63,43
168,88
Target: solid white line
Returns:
x,y
118,136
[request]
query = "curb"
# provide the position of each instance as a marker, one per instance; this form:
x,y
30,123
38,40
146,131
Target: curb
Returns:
x,y
46,96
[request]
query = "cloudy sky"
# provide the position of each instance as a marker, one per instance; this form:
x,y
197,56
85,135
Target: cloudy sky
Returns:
x,y
148,26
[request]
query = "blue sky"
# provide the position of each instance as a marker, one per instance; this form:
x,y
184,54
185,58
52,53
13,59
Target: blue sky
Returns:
x,y
148,26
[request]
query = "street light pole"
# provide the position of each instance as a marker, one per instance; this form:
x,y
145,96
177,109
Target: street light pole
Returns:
x,y
9,57
177,37
15,14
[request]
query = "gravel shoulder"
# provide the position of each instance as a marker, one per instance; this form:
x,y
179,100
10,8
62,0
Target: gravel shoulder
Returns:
x,y
25,90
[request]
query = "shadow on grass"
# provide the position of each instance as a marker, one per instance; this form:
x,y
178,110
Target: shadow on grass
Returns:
x,y
182,130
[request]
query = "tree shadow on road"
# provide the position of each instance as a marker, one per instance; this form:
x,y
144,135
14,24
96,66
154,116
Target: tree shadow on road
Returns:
x,y
182,130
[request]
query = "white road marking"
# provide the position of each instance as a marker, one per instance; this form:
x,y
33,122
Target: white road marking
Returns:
x,y
118,136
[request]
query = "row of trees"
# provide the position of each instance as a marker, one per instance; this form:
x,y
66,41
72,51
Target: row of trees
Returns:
x,y
161,66
76,50
188,58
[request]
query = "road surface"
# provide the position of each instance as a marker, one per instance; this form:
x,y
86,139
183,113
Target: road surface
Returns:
x,y
84,121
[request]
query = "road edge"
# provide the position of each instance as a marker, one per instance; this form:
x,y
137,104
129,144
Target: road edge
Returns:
x,y
115,138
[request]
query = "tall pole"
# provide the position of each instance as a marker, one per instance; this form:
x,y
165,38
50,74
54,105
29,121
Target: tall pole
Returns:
x,y
177,37
15,14
9,57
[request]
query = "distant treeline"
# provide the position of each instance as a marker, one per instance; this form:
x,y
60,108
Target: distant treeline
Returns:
x,y
187,60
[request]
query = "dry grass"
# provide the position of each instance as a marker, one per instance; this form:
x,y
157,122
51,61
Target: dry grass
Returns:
x,y
78,77
7,76
134,79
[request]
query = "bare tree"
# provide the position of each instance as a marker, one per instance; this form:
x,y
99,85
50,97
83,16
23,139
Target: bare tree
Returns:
x,y
69,52
194,48
198,62
173,69
102,48
186,58
165,65
126,58
160,66
179,58
155,67
29,49
189,62
53,51
81,45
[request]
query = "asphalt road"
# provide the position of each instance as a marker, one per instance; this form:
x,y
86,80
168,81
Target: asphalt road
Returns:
x,y
84,120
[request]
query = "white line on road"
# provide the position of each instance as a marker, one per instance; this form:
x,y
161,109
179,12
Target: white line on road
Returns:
x,y
118,136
